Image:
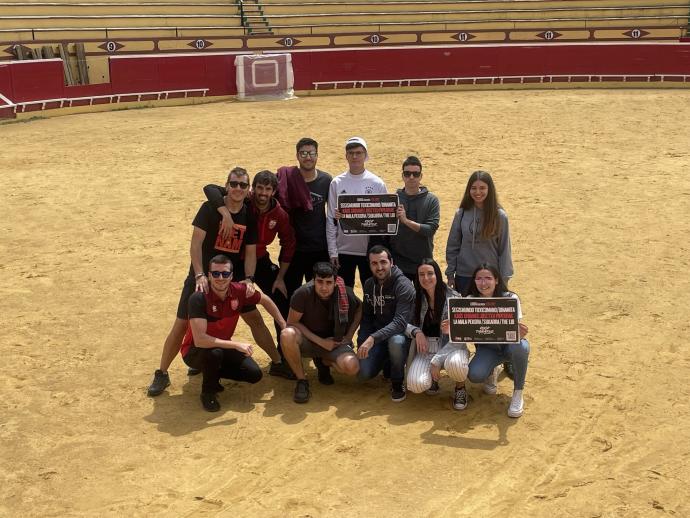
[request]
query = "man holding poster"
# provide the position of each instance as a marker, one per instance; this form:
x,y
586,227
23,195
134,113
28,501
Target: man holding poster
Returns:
x,y
349,252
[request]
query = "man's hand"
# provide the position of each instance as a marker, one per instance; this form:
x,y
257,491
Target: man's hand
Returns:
x,y
279,285
402,215
202,284
329,344
226,224
422,344
451,282
245,349
335,262
281,324
365,347
435,372
251,289
337,214
523,330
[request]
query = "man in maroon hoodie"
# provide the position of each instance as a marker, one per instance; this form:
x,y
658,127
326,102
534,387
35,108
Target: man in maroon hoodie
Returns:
x,y
272,220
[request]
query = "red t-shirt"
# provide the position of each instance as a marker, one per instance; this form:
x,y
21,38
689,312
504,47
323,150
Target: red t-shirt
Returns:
x,y
221,315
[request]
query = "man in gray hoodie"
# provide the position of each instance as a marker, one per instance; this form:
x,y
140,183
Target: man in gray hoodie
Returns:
x,y
388,306
419,213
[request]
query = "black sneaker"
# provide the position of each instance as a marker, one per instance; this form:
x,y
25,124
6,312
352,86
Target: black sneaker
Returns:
x,y
193,372
398,392
282,370
208,399
302,392
325,377
161,380
509,370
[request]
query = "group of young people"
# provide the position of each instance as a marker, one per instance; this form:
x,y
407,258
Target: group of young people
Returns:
x,y
402,323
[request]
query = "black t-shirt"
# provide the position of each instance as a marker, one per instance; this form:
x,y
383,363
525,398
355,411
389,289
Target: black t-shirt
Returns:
x,y
310,225
318,315
244,233
431,327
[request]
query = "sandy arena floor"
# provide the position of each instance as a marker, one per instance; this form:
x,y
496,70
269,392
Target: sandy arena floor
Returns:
x,y
96,212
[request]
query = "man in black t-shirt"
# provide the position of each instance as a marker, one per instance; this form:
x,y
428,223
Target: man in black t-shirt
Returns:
x,y
307,210
206,243
324,314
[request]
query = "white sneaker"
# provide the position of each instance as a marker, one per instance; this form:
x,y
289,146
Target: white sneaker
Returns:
x,y
516,404
491,382
460,399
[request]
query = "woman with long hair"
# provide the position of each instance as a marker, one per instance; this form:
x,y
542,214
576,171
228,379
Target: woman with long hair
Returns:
x,y
430,349
487,282
479,234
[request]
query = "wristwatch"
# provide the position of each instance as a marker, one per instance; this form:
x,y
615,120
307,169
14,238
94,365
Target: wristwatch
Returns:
x,y
251,278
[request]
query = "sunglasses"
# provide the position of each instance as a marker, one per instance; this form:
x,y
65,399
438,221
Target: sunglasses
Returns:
x,y
416,174
310,154
225,275
235,184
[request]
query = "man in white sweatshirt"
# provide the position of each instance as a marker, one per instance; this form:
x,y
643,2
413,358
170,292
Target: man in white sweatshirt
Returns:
x,y
348,252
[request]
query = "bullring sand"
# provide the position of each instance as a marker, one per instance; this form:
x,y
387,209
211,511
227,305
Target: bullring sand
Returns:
x,y
96,213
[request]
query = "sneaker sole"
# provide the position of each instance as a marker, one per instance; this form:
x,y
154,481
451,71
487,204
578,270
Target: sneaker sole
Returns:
x,y
399,400
515,415
154,393
491,392
455,407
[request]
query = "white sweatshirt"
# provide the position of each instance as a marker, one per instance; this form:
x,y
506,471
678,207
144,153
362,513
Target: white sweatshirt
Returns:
x,y
347,183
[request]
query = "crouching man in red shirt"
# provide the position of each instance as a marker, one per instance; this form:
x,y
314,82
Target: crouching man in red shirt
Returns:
x,y
208,344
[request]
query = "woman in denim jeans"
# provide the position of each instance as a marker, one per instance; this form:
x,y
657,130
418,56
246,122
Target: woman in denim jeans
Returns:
x,y
487,282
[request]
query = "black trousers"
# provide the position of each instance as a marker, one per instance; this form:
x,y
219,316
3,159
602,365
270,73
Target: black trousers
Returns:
x,y
302,268
350,263
218,363
265,275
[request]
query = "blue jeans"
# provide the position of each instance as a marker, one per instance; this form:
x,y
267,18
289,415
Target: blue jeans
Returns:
x,y
489,356
394,349
463,284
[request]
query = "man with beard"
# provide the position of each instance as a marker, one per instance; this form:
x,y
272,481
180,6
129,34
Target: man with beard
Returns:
x,y
271,220
388,307
302,192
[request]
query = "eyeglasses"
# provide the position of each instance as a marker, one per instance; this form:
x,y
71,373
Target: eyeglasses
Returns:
x,y
416,174
225,275
235,184
309,154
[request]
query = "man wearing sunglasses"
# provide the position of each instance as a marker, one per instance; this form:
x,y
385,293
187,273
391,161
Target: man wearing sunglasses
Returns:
x,y
419,214
213,315
271,220
206,243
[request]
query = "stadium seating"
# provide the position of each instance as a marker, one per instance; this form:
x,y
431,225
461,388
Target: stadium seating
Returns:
x,y
284,16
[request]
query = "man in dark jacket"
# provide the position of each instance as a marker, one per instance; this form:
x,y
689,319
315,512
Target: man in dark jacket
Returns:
x,y
388,307
419,213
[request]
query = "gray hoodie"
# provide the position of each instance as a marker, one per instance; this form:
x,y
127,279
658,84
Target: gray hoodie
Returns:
x,y
410,247
466,248
388,307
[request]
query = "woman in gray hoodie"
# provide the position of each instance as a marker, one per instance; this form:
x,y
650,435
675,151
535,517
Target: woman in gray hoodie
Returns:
x,y
479,234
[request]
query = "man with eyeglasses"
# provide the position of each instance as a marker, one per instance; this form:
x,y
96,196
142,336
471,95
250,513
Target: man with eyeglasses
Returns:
x,y
302,192
419,213
349,253
207,242
213,315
